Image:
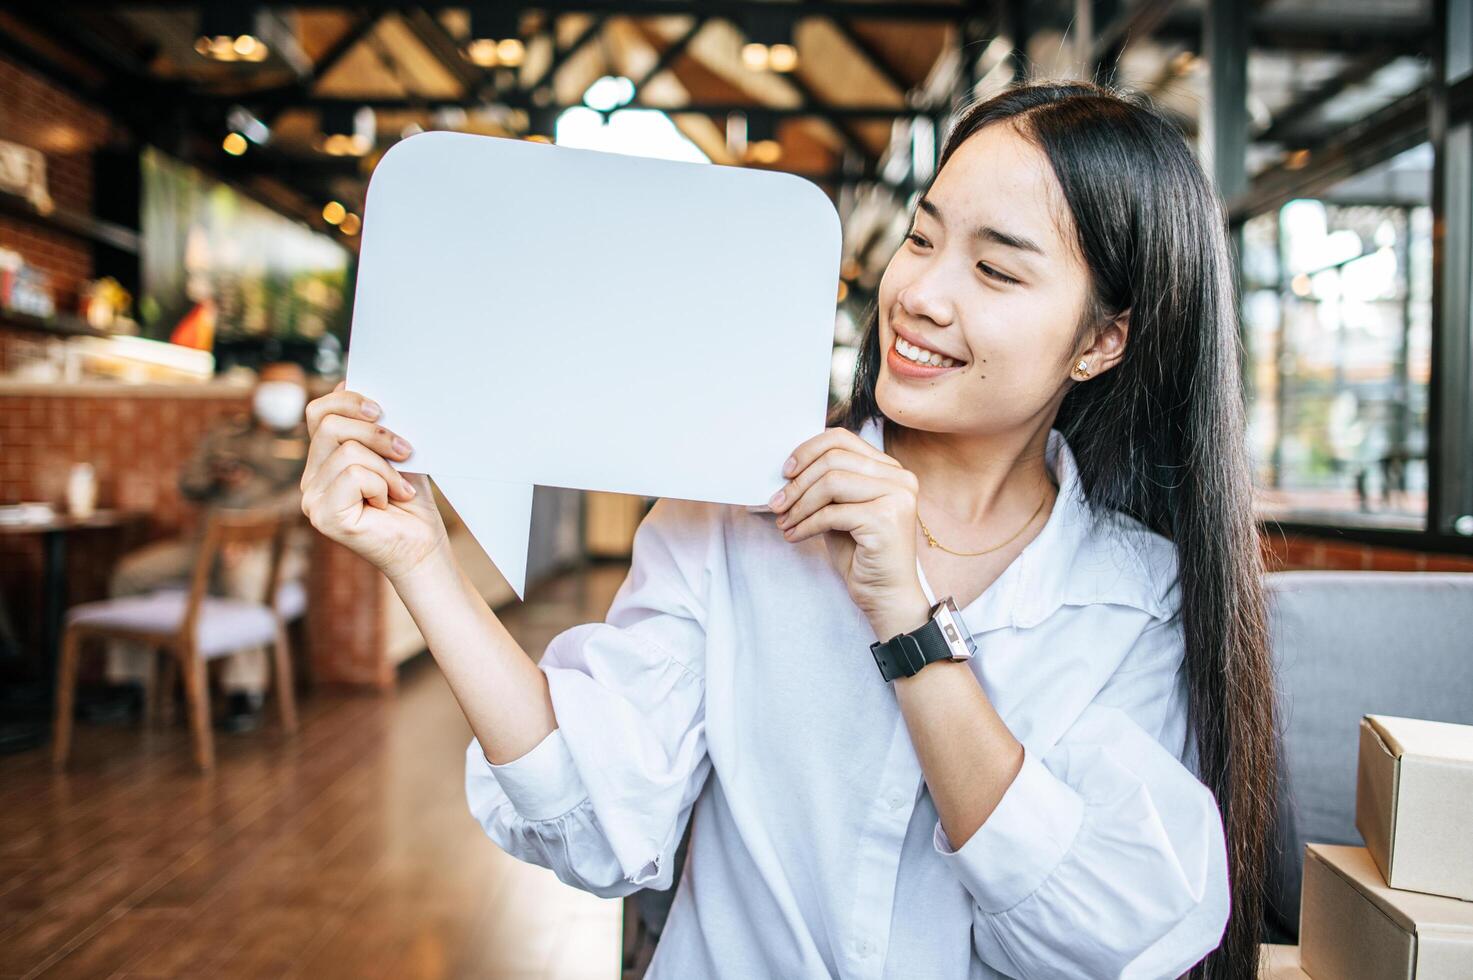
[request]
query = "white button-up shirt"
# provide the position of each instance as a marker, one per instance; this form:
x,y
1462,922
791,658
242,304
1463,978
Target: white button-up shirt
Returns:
x,y
733,679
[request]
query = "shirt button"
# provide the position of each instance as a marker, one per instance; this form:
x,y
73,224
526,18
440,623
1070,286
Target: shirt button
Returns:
x,y
896,801
865,948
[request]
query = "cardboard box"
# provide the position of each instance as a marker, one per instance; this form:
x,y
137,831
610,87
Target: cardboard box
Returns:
x,y
1353,927
1413,800
1280,963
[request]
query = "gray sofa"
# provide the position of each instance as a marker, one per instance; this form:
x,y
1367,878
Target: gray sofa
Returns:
x,y
1348,644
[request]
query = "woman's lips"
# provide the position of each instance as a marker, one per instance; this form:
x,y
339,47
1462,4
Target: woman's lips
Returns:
x,y
907,368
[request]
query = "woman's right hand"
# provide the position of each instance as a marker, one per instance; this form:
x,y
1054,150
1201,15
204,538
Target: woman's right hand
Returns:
x,y
354,496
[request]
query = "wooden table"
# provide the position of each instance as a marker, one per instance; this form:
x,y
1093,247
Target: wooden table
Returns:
x,y
54,532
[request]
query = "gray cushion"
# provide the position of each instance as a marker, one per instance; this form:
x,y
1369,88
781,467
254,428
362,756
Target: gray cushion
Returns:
x,y
1348,644
224,625
291,599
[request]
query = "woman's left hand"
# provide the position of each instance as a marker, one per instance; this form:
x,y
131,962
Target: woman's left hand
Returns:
x,y
864,504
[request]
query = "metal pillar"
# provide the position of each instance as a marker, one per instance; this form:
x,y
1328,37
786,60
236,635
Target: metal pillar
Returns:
x,y
1450,435
1225,119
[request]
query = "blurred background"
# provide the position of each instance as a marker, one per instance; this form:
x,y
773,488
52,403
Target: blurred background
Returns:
x,y
181,195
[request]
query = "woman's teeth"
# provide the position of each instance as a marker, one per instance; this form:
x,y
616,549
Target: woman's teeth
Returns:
x,y
913,353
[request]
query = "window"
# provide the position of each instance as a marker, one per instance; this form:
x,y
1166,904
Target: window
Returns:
x,y
1337,310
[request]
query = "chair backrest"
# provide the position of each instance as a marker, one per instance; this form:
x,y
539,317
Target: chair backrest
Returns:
x,y
1348,644
225,527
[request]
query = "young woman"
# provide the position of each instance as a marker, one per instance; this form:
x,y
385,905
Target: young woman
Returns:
x,y
1046,426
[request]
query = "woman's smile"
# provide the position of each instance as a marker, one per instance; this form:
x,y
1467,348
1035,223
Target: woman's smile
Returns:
x,y
903,364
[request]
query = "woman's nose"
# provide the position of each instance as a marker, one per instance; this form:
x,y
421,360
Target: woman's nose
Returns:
x,y
923,298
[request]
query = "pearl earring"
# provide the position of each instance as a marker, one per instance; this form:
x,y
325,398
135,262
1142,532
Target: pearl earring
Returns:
x,y
1083,368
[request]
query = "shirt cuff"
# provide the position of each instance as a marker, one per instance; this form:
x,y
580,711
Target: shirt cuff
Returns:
x,y
1022,842
543,783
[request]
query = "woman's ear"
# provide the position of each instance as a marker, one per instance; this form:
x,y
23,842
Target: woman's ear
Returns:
x,y
1108,347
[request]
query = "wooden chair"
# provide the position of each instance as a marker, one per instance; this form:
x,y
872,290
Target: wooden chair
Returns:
x,y
193,628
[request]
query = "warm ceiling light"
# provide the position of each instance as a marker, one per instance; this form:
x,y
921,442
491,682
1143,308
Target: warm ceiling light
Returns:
x,y
248,48
229,34
782,57
764,151
334,213
347,131
769,44
495,38
234,144
538,138
482,51
351,224
843,291
1297,160
510,51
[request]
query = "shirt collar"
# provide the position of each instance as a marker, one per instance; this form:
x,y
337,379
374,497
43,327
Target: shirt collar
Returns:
x,y
1074,560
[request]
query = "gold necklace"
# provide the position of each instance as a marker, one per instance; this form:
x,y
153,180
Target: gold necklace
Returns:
x,y
932,542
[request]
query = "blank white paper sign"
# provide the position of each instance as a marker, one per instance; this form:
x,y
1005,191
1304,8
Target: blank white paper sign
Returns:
x,y
534,314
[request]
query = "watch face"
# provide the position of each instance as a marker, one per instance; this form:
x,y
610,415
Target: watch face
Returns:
x,y
958,637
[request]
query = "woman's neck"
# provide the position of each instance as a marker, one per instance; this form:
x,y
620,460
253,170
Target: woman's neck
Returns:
x,y
971,479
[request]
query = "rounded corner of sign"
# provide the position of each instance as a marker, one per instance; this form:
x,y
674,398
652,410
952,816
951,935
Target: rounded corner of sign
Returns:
x,y
400,153
822,202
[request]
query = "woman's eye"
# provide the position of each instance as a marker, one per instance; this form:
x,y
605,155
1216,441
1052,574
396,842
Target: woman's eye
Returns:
x,y
917,239
989,271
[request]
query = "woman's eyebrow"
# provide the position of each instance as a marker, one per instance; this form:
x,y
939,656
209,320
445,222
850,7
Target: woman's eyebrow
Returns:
x,y
987,232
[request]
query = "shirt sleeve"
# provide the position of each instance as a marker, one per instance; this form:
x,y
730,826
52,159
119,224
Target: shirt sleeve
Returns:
x,y
1106,856
604,799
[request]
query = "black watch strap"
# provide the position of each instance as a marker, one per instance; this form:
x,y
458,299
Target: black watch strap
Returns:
x,y
904,654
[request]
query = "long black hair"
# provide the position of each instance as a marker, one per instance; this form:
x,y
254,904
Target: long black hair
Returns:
x,y
1161,436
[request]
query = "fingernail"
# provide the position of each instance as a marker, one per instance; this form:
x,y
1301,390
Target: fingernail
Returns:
x,y
401,447
789,466
409,490
775,499
372,410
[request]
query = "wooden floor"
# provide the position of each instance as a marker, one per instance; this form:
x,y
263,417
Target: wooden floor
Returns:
x,y
347,851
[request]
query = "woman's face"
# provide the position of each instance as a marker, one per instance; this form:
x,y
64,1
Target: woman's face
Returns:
x,y
990,277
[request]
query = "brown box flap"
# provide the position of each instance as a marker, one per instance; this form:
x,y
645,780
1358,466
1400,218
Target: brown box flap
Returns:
x,y
1415,912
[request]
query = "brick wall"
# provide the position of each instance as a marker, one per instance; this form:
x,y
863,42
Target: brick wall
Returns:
x,y
37,114
1293,552
137,444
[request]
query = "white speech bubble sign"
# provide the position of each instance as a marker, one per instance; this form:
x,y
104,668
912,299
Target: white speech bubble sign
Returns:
x,y
534,314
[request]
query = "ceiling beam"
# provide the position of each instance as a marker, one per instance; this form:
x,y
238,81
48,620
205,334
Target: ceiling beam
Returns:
x,y
921,10
1369,141
1136,24
560,56
1289,119
874,56
1340,32
668,56
356,31
428,31
524,101
840,125
321,169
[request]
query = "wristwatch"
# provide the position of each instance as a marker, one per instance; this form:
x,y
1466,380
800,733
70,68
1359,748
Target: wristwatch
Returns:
x,y
943,637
